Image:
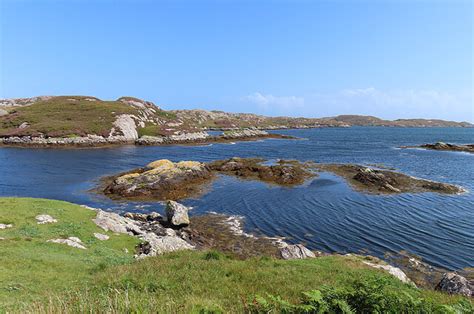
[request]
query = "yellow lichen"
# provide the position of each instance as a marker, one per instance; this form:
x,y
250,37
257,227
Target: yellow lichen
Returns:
x,y
160,163
195,165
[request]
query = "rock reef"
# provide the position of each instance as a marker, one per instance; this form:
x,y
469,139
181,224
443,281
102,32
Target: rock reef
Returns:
x,y
161,180
166,180
386,182
468,148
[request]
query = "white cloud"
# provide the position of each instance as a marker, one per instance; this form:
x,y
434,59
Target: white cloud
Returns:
x,y
386,104
268,101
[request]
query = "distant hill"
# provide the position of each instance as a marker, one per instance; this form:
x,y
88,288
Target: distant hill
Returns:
x,y
77,116
358,120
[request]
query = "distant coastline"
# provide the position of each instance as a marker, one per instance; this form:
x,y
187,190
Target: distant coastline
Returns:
x,y
85,121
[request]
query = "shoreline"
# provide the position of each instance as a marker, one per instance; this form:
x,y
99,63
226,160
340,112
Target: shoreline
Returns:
x,y
33,143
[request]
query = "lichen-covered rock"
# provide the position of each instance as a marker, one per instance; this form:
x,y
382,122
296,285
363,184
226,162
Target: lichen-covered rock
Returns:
x,y
453,283
101,237
116,223
295,251
177,213
392,270
45,219
155,245
71,241
161,180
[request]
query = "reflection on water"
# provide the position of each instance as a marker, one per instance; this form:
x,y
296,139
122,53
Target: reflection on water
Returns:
x,y
326,214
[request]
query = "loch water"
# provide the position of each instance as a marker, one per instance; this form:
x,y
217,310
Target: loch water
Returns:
x,y
325,213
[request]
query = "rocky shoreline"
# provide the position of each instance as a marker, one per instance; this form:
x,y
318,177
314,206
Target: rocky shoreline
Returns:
x,y
177,231
467,148
195,138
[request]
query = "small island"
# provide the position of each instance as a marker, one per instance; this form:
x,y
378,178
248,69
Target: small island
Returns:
x,y
467,148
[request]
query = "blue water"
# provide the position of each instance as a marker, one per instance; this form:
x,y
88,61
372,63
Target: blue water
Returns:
x,y
325,214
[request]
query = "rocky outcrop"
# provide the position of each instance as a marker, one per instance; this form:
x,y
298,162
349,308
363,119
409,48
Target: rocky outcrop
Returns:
x,y
295,251
71,241
45,219
100,236
83,141
161,180
18,102
453,283
392,270
125,123
283,172
468,148
235,134
156,237
390,182
183,138
177,214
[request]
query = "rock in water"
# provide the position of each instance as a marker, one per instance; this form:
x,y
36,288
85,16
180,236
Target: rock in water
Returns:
x,y
177,214
453,283
45,219
296,251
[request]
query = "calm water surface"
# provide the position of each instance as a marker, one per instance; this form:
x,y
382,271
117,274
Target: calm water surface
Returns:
x,y
325,214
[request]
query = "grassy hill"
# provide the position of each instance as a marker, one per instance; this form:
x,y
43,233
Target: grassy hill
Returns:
x,y
39,276
72,116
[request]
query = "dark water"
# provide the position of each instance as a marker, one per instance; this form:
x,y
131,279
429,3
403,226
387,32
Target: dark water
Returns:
x,y
325,213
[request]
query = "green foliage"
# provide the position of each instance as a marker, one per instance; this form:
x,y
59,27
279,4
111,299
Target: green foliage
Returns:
x,y
366,295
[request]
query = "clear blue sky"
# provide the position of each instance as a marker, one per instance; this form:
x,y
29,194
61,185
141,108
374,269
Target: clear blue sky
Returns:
x,y
393,59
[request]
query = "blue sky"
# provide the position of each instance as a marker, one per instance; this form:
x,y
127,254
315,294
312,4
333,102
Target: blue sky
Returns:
x,y
393,59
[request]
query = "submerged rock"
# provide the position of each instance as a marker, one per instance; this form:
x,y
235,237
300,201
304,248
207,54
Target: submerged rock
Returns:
x,y
177,214
296,251
453,283
45,219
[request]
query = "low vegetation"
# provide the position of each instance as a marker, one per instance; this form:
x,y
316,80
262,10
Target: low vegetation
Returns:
x,y
47,277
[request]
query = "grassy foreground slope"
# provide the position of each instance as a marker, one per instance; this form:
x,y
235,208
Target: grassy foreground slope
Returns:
x,y
48,277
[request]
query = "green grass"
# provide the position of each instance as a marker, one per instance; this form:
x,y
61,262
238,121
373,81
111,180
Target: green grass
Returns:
x,y
45,277
61,116
31,267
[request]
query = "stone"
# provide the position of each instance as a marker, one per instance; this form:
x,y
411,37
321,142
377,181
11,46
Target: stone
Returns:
x,y
156,245
71,241
5,226
295,251
45,219
392,270
24,125
116,223
3,112
453,283
101,237
126,124
177,214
